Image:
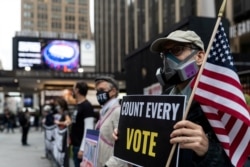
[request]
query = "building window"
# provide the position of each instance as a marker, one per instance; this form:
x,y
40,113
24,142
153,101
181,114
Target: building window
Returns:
x,y
83,2
70,1
56,16
27,6
69,18
42,16
83,11
42,7
55,9
70,26
42,24
187,8
56,25
27,14
81,19
56,1
82,26
28,23
168,13
70,9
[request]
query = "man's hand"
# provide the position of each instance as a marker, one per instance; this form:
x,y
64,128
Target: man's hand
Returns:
x,y
190,136
80,154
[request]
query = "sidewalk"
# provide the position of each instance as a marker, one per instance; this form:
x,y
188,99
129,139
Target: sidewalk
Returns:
x,y
12,153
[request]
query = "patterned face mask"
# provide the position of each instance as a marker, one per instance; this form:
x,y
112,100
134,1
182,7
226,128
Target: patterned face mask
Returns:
x,y
102,96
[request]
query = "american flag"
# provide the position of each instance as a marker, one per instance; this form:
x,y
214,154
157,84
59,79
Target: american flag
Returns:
x,y
220,94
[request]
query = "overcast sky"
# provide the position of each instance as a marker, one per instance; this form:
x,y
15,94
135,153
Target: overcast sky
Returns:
x,y
10,23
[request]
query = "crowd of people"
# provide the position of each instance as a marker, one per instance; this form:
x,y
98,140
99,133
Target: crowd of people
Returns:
x,y
84,117
198,143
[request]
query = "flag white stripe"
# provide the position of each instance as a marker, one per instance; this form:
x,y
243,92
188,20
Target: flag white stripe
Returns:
x,y
222,85
225,118
223,138
234,130
222,70
223,101
241,147
215,124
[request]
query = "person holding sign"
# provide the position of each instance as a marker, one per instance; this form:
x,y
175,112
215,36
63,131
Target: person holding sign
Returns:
x,y
182,53
107,92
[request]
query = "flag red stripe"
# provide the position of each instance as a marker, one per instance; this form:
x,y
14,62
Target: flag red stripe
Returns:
x,y
221,77
230,124
205,100
213,116
221,92
221,114
244,156
237,140
220,131
225,145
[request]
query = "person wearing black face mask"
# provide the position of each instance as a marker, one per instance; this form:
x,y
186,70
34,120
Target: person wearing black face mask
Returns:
x,y
102,96
107,92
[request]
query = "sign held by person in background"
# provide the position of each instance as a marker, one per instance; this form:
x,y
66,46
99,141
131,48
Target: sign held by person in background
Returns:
x,y
89,158
145,125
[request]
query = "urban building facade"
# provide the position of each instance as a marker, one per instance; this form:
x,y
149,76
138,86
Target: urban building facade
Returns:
x,y
57,16
240,40
60,22
124,28
126,25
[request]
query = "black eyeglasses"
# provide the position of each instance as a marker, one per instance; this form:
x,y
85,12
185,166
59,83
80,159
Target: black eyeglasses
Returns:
x,y
178,49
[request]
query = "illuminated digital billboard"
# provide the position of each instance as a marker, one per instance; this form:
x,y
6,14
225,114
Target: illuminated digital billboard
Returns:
x,y
46,54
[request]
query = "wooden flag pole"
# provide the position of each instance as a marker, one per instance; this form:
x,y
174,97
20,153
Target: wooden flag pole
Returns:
x,y
222,8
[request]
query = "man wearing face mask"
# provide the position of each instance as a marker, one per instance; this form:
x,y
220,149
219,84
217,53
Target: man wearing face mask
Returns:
x,y
82,119
107,92
182,53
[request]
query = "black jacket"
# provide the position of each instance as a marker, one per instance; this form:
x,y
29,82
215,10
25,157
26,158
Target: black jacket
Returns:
x,y
216,156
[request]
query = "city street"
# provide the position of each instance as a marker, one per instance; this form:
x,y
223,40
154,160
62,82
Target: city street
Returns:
x,y
12,153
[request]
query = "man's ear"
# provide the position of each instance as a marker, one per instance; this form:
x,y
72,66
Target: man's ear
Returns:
x,y
200,57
